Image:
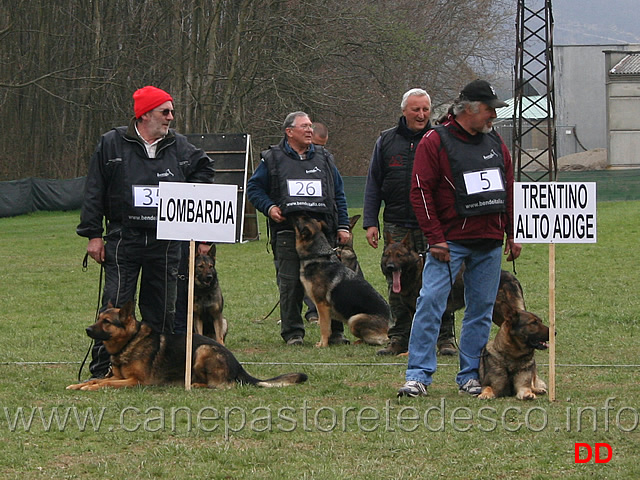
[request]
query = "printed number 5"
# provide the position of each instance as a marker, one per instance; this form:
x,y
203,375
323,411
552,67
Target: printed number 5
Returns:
x,y
485,181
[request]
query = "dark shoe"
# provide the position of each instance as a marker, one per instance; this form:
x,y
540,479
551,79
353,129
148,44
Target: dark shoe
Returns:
x,y
296,340
447,348
394,347
338,340
412,389
312,319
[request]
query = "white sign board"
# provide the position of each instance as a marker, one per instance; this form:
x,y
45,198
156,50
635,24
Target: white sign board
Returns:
x,y
554,212
197,211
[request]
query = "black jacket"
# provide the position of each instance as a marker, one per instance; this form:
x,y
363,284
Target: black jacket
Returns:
x,y
120,160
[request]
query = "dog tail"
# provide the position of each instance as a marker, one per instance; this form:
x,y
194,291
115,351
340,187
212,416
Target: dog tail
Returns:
x,y
279,381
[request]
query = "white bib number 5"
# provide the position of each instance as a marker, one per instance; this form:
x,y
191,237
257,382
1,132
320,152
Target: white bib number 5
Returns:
x,y
488,180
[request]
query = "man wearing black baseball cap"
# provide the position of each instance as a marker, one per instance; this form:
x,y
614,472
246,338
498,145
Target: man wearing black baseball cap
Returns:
x,y
482,91
462,195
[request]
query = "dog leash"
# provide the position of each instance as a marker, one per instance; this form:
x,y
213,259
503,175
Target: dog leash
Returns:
x,y
85,267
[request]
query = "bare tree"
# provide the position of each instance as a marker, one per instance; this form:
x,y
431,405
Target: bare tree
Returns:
x,y
69,68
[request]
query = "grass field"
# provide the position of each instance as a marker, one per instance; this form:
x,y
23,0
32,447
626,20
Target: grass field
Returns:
x,y
346,421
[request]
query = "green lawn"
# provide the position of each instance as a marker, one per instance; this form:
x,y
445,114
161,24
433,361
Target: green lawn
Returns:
x,y
346,421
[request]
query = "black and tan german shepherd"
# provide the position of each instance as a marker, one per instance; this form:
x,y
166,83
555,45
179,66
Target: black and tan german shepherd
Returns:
x,y
509,300
402,267
140,356
507,364
337,291
207,298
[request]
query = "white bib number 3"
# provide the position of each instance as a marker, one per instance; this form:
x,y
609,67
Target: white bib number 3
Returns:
x,y
488,180
145,195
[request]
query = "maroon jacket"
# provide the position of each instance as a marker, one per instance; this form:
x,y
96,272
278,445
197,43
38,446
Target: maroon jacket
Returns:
x,y
433,194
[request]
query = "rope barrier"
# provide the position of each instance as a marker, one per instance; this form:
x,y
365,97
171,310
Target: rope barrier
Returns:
x,y
337,364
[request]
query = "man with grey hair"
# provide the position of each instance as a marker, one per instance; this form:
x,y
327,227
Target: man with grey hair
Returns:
x,y
462,195
297,158
388,181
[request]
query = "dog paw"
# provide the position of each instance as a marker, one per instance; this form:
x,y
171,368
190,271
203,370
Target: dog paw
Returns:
x,y
526,395
75,386
487,394
322,344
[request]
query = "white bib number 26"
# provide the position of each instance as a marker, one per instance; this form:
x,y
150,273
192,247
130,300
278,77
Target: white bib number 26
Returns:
x,y
305,188
488,180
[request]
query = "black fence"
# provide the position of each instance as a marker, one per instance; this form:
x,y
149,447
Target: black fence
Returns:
x,y
18,197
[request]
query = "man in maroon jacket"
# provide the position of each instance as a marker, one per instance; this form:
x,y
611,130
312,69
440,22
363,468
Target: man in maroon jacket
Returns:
x,y
462,195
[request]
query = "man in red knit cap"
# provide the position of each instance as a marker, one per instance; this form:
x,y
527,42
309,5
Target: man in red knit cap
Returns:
x,y
121,197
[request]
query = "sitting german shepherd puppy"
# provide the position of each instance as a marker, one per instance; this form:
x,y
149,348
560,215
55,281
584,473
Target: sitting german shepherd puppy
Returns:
x,y
507,366
207,298
336,290
140,356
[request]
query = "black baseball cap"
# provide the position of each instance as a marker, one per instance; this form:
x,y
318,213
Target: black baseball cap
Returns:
x,y
482,91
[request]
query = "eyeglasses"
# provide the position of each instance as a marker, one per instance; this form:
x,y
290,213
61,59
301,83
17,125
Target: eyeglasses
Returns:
x,y
166,112
304,126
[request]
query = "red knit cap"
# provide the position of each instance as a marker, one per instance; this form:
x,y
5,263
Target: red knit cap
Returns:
x,y
148,98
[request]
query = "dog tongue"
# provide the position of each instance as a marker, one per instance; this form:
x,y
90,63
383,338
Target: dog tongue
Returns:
x,y
396,282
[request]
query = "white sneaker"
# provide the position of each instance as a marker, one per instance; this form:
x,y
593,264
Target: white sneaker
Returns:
x,y
412,388
472,387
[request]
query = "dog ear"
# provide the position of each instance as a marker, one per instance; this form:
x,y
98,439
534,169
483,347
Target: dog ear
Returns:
x,y
503,312
407,241
388,239
127,311
353,220
212,251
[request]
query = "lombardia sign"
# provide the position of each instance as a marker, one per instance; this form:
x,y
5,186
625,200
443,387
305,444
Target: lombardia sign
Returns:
x,y
554,212
197,211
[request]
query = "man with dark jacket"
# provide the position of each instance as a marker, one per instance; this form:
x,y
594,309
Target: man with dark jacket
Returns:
x,y
319,193
389,181
121,195
462,194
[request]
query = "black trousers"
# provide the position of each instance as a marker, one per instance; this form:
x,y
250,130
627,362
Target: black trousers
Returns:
x,y
135,256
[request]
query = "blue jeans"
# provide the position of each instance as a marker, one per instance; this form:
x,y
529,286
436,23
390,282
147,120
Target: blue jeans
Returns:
x,y
481,281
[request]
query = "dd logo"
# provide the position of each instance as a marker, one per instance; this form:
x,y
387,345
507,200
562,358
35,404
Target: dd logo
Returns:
x,y
590,452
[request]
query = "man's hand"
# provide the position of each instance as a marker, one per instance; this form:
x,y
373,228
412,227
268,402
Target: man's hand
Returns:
x,y
95,249
343,237
440,251
513,249
275,214
372,236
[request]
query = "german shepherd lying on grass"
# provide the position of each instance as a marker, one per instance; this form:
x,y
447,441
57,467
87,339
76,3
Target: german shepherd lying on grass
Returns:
x,y
207,298
140,356
337,291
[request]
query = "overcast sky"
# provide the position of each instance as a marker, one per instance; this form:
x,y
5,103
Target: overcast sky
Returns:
x,y
595,21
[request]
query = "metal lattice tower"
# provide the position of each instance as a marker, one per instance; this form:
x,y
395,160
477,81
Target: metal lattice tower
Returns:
x,y
534,68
